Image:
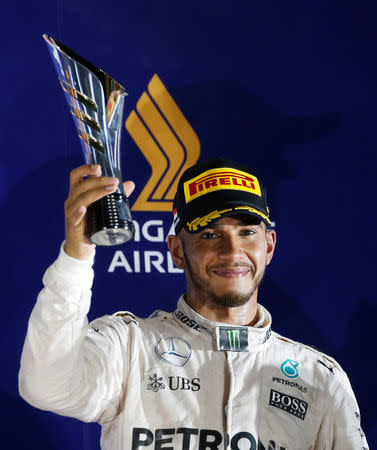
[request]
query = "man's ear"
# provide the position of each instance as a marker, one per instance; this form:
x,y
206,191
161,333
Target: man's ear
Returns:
x,y
175,246
271,242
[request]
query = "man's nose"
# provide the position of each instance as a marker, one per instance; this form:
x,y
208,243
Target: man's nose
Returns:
x,y
230,246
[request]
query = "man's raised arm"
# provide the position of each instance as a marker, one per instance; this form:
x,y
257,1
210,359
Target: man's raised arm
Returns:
x,y
66,365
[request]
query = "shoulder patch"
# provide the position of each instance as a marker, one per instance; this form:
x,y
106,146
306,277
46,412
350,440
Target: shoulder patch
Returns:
x,y
160,314
126,316
281,338
329,362
95,329
321,358
328,366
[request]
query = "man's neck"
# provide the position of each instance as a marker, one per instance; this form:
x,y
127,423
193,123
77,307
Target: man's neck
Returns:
x,y
244,315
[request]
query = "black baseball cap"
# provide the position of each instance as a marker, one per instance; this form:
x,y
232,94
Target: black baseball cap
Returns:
x,y
217,188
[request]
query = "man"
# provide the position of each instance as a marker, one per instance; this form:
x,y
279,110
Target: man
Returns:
x,y
212,375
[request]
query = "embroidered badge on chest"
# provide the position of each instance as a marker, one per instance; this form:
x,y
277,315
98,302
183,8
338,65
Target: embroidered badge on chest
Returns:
x,y
233,339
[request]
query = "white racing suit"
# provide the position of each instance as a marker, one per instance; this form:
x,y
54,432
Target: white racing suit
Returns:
x,y
179,381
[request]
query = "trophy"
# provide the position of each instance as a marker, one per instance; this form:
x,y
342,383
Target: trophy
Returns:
x,y
96,101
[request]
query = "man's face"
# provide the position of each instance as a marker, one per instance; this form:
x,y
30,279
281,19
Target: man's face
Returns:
x,y
225,262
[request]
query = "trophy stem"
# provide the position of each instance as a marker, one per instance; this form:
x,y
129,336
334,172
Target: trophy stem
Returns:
x,y
108,221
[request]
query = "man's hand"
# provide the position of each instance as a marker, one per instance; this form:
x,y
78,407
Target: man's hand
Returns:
x,y
82,193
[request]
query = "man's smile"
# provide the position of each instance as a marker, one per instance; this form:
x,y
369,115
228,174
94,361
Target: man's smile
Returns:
x,y
237,271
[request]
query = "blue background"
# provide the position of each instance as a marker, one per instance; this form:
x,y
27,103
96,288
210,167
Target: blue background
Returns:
x,y
287,87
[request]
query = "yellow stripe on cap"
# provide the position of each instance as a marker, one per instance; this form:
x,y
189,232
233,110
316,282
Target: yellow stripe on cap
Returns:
x,y
205,220
201,222
256,211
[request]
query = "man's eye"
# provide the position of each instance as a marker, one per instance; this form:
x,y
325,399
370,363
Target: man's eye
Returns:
x,y
248,232
208,235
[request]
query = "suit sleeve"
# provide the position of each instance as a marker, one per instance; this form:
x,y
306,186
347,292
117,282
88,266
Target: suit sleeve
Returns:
x,y
67,366
341,427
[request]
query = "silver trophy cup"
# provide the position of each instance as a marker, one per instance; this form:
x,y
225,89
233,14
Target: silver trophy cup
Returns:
x,y
96,102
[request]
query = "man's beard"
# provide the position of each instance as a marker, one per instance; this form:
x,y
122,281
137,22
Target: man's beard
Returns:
x,y
227,299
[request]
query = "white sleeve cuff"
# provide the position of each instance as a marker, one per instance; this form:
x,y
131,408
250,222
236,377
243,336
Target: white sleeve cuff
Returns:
x,y
70,279
71,266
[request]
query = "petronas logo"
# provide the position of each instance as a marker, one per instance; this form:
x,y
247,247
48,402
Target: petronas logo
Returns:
x,y
289,368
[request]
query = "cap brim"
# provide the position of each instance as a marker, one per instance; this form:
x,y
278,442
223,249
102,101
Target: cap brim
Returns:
x,y
199,223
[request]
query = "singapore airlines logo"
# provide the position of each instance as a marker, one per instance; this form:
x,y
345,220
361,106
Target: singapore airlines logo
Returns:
x,y
167,141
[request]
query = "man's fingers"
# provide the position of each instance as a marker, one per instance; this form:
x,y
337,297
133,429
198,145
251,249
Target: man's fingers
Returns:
x,y
86,186
129,186
86,198
93,183
78,215
88,170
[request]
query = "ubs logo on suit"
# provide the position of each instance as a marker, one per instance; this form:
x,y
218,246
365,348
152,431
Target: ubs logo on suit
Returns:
x,y
173,383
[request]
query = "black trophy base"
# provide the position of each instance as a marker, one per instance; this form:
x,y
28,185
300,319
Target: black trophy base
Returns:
x,y
109,221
